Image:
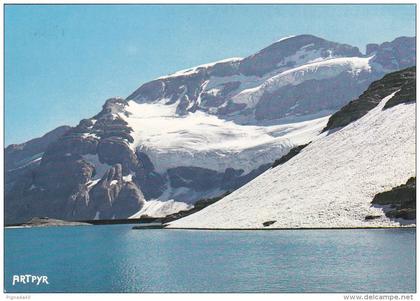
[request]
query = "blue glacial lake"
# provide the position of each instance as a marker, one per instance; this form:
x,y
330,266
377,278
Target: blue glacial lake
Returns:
x,y
114,258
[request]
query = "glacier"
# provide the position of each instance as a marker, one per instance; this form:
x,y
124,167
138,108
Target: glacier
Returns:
x,y
207,141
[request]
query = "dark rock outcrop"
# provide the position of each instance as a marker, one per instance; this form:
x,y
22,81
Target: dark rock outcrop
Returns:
x,y
406,94
199,205
293,152
403,80
268,223
371,217
401,199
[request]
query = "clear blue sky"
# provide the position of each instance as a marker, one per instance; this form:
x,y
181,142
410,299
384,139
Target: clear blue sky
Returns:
x,y
63,62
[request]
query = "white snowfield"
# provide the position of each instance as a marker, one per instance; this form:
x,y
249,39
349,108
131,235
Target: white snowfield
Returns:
x,y
155,208
202,140
330,184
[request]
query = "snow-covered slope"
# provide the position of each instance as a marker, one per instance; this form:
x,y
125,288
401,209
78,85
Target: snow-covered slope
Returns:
x,y
156,208
331,183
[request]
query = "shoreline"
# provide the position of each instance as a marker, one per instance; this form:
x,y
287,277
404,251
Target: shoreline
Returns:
x,y
227,229
50,222
288,229
158,223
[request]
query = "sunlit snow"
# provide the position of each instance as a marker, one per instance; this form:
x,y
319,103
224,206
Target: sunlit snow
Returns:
x,y
155,208
330,183
203,140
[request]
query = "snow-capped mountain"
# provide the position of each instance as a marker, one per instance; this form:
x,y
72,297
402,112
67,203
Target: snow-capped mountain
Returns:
x,y
197,133
249,90
332,181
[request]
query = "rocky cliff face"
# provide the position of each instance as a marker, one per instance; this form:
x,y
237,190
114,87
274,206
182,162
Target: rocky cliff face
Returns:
x,y
193,134
16,155
20,158
85,174
402,82
394,55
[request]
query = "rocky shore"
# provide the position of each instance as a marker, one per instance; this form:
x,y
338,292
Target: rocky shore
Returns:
x,y
49,222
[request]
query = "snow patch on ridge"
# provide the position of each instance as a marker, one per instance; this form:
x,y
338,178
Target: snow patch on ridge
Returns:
x,y
285,38
194,70
330,184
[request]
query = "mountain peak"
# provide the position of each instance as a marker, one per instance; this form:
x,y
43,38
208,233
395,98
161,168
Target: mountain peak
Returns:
x,y
287,52
305,37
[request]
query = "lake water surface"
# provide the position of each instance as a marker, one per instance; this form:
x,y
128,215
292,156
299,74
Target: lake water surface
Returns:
x,y
114,258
